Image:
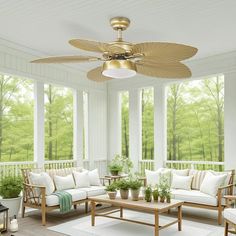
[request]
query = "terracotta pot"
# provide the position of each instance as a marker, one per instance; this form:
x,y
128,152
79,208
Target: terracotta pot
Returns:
x,y
112,195
114,173
124,193
135,194
162,199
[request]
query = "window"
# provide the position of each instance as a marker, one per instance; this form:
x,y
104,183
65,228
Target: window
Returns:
x,y
58,123
195,120
147,98
16,119
124,98
85,129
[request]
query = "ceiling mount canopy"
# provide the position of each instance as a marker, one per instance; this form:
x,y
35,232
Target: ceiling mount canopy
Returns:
x,y
124,59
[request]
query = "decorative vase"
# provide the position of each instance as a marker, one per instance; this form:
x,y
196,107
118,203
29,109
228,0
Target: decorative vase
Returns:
x,y
124,194
13,226
135,194
13,204
112,195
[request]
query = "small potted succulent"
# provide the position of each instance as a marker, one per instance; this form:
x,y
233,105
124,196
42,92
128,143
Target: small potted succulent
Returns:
x,y
155,194
111,191
135,186
10,189
148,194
123,186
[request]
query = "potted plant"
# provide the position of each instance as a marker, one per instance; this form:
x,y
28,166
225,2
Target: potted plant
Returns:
x,y
115,168
10,189
164,189
135,186
148,194
111,190
123,186
155,194
168,196
120,163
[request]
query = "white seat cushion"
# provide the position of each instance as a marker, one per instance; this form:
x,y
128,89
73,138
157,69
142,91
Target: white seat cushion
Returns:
x,y
53,200
94,190
230,214
194,196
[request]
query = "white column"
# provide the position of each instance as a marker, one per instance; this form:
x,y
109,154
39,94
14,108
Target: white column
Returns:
x,y
114,118
160,126
78,122
230,120
135,144
39,123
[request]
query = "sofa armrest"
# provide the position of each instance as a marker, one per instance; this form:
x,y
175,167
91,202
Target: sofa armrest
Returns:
x,y
222,192
34,194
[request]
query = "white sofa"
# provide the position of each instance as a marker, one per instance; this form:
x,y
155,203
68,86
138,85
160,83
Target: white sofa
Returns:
x,y
196,195
40,195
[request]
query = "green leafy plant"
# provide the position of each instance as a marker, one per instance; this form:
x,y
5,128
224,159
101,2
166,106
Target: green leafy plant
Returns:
x,y
123,184
10,187
148,194
112,187
155,193
135,184
120,163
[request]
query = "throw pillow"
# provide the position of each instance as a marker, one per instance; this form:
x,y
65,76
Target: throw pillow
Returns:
x,y
94,177
81,179
42,179
154,177
181,182
64,182
184,172
211,183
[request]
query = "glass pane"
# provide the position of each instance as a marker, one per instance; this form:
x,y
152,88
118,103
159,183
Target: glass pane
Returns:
x,y
147,96
16,119
58,123
195,120
124,96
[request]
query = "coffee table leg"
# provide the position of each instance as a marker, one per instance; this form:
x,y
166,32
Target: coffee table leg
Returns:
x,y
93,207
156,223
121,212
179,218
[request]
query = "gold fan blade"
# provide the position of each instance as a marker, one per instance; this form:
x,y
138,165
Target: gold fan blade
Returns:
x,y
163,70
66,59
96,75
94,46
166,52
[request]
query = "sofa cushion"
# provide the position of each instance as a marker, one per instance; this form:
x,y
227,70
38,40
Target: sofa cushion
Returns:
x,y
42,179
184,172
181,182
81,179
154,177
193,196
227,179
94,190
211,183
53,200
64,182
94,178
230,214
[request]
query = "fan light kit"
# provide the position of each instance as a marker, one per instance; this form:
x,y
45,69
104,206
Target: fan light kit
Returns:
x,y
123,59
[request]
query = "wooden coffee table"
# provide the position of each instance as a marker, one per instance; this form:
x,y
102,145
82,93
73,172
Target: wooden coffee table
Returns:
x,y
142,206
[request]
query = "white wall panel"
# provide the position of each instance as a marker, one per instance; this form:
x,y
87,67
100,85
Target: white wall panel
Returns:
x,y
97,126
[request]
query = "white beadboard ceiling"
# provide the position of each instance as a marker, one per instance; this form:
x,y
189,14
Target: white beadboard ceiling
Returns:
x,y
47,25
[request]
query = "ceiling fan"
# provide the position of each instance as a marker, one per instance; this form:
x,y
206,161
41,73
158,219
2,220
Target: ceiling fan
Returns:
x,y
122,59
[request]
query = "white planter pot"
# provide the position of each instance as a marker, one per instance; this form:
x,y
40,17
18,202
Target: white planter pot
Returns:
x,y
13,204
